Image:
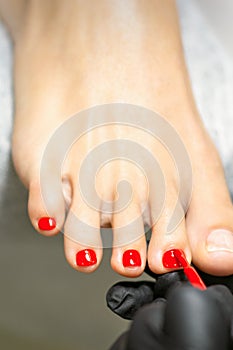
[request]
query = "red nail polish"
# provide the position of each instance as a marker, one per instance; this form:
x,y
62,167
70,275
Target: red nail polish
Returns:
x,y
131,258
86,257
46,223
176,258
170,260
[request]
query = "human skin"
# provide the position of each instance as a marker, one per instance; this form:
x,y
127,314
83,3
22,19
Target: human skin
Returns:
x,y
72,55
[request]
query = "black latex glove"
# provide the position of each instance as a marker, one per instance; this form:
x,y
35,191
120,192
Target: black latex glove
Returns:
x,y
189,319
125,298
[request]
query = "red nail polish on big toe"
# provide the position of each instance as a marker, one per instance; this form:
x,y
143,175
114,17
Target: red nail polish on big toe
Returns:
x,y
131,258
86,257
46,224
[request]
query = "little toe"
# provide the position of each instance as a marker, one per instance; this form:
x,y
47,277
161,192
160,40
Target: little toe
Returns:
x,y
47,216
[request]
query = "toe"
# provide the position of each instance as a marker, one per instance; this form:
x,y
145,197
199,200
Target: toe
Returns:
x,y
210,231
164,239
129,243
210,216
82,258
82,239
47,212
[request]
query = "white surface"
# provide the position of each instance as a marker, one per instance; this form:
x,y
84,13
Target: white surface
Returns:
x,y
211,70
219,14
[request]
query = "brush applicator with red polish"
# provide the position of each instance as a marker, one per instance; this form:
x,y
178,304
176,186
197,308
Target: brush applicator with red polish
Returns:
x,y
176,258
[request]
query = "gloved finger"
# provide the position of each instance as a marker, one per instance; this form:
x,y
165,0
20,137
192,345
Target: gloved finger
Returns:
x,y
121,342
194,320
165,281
224,298
147,328
213,280
125,298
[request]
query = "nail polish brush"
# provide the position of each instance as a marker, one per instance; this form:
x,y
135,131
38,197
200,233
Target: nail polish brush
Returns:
x,y
189,271
175,258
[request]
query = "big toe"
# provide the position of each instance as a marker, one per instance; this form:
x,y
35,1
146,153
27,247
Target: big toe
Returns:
x,y
210,230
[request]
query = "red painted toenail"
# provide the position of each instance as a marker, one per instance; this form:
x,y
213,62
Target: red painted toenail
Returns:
x,y
176,258
170,260
86,257
46,223
131,258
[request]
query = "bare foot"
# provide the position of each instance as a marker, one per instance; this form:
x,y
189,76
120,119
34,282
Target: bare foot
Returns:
x,y
72,55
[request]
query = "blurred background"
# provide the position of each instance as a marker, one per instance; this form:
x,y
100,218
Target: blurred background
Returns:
x,y
44,304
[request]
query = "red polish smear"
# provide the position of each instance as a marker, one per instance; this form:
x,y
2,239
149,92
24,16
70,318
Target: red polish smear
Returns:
x,y
86,257
46,223
178,259
131,258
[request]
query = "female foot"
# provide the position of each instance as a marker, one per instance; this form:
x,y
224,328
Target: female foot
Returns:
x,y
70,56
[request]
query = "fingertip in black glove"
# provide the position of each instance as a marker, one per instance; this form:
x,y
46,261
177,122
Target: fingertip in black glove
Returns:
x,y
187,319
126,298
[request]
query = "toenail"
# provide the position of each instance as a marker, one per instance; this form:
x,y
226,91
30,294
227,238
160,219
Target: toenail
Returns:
x,y
220,240
46,223
86,257
170,260
131,258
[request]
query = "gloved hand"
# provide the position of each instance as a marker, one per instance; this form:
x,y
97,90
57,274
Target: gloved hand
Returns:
x,y
177,316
